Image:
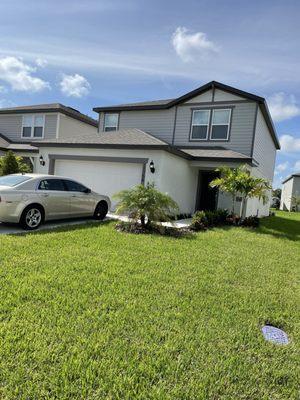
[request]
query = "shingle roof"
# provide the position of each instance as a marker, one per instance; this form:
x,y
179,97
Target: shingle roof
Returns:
x,y
220,153
6,144
136,138
128,137
146,103
51,107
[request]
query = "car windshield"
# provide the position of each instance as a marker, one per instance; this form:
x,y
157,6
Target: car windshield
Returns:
x,y
13,180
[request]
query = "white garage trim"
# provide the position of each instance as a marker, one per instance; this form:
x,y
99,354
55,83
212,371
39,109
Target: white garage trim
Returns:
x,y
130,160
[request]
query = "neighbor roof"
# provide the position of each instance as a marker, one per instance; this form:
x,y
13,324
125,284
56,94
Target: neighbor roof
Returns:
x,y
49,108
297,175
6,144
166,104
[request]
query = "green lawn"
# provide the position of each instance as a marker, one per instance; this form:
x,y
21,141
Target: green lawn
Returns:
x,y
90,313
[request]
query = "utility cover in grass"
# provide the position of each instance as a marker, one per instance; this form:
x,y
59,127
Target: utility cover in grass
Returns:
x,y
274,335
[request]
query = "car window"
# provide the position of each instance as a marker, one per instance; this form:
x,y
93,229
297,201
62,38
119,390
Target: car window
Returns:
x,y
75,186
52,184
13,180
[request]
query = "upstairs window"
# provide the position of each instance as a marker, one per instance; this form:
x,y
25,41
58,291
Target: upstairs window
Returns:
x,y
33,126
200,124
220,124
111,122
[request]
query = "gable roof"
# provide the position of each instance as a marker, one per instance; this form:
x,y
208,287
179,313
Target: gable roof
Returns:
x,y
297,175
49,108
168,103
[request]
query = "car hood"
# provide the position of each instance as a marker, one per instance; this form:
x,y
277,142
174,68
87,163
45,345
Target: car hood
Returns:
x,y
2,188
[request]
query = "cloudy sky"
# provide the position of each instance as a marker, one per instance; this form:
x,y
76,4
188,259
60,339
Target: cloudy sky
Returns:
x,y
100,52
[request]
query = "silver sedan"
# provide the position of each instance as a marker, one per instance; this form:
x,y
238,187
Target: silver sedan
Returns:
x,y
31,199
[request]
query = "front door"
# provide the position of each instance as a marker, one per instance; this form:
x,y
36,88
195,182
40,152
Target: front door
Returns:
x,y
207,197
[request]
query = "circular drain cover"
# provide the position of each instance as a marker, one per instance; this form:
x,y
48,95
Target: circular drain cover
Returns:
x,y
274,335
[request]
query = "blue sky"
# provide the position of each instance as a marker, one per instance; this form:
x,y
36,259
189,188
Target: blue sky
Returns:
x,y
94,52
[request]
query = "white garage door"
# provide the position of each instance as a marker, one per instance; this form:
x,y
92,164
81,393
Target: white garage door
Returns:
x,y
105,178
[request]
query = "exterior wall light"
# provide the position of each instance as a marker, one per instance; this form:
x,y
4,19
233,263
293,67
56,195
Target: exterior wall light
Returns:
x,y
151,166
42,161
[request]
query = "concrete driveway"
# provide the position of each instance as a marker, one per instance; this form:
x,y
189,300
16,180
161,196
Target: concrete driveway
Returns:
x,y
10,229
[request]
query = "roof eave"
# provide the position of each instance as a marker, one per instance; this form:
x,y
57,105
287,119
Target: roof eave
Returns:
x,y
51,110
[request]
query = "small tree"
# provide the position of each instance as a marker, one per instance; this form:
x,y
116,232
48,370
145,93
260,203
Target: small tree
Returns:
x,y
146,202
228,182
11,164
252,187
239,180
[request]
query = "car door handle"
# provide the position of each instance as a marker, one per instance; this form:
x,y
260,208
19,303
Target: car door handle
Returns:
x,y
45,194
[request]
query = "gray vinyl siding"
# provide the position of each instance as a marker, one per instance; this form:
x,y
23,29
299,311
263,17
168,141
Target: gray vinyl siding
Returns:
x,y
241,132
50,126
159,123
264,151
11,127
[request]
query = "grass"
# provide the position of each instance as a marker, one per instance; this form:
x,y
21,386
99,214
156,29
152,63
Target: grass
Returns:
x,y
91,313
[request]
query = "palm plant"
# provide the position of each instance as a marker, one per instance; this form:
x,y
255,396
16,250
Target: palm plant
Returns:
x,y
146,204
239,180
228,182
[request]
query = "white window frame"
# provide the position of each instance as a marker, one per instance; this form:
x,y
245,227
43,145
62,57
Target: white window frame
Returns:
x,y
212,124
192,125
110,126
32,126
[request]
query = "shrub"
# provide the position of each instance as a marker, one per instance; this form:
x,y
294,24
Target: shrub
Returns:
x,y
217,217
199,221
205,219
137,228
233,219
11,164
146,204
251,221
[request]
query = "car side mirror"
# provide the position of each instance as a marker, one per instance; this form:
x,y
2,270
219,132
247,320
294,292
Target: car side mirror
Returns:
x,y
87,191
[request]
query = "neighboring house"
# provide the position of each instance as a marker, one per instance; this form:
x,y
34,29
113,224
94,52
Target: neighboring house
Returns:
x,y
290,189
21,127
175,143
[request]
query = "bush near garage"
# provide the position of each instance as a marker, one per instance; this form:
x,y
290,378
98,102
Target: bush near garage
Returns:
x,y
12,164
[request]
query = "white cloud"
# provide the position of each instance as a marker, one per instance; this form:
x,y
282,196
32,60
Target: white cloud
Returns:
x,y
18,75
41,62
289,144
283,106
282,167
74,85
4,103
189,45
296,167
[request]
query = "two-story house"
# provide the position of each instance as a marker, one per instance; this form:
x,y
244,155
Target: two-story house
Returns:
x,y
176,143
22,127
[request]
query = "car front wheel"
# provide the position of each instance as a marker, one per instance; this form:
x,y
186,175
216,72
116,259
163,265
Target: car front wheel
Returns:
x,y
101,210
31,218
